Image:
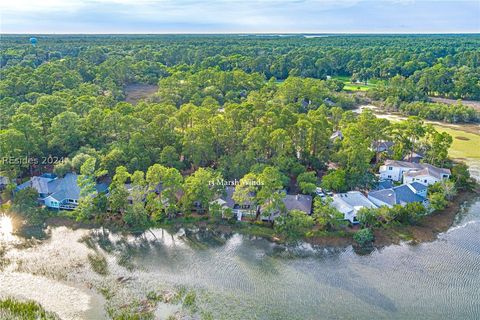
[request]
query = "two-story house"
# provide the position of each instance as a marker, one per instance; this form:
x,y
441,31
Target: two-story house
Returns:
x,y
412,172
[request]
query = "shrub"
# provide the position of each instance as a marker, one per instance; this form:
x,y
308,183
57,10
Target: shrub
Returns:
x,y
364,237
294,224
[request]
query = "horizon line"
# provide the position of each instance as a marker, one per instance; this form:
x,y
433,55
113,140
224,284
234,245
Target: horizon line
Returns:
x,y
247,33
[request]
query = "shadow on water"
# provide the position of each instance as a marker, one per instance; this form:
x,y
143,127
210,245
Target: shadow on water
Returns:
x,y
39,232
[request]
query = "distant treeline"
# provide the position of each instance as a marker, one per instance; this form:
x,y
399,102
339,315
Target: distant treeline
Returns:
x,y
443,65
441,112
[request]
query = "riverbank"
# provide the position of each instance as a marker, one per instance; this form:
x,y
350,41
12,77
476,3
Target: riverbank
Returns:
x,y
425,230
428,228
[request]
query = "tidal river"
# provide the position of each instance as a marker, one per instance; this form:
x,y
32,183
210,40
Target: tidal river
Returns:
x,y
239,277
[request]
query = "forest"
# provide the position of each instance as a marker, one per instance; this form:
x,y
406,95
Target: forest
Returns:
x,y
227,107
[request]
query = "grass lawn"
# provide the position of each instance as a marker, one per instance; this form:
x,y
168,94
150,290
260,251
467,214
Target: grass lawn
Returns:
x,y
348,85
465,144
355,86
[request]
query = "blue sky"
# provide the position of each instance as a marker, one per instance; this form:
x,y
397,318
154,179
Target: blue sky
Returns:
x,y
240,16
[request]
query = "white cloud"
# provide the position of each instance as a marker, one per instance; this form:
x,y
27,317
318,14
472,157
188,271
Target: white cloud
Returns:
x,y
234,15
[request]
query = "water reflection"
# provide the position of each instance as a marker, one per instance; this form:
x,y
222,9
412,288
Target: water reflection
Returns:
x,y
237,276
6,228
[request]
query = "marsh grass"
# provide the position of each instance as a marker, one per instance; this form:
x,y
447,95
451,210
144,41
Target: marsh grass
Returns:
x,y
124,259
190,299
88,241
98,263
137,310
13,309
3,260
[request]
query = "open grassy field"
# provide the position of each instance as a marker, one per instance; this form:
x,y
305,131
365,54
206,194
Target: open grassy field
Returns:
x,y
348,85
355,86
466,137
465,144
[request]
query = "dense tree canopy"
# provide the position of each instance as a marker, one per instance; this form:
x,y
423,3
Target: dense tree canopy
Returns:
x,y
226,107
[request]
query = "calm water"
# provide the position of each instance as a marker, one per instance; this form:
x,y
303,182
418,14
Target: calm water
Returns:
x,y
239,277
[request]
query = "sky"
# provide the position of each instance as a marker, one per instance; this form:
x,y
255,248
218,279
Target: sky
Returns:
x,y
239,16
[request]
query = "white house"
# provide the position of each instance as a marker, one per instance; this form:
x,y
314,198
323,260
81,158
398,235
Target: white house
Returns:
x,y
412,172
427,176
406,193
350,203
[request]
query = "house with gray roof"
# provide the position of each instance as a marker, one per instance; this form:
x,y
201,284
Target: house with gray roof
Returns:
x,y
350,203
382,146
408,172
337,135
402,195
247,208
383,184
58,193
415,157
44,184
301,202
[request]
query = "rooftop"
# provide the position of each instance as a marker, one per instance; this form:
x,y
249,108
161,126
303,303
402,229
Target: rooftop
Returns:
x,y
382,145
384,184
406,193
66,187
298,202
419,168
428,170
351,201
59,188
40,183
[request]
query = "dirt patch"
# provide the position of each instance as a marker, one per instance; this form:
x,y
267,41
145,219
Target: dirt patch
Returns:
x,y
138,91
462,138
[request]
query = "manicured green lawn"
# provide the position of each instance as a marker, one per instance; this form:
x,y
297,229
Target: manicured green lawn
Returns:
x,y
465,144
355,86
348,85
